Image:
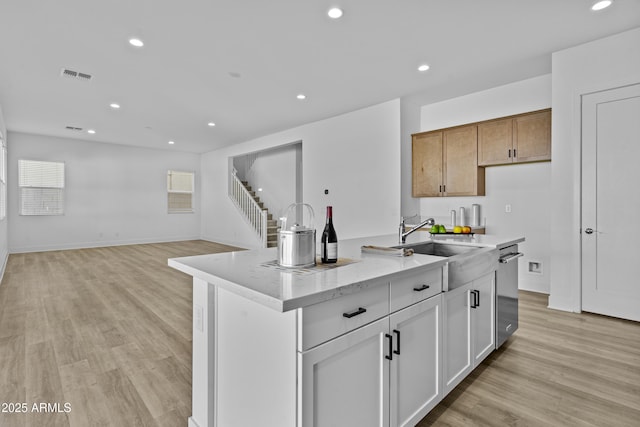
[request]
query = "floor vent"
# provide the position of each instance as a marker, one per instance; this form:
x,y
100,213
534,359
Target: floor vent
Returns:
x,y
73,128
75,75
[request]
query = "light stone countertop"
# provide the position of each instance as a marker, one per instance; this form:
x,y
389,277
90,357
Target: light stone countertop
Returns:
x,y
243,272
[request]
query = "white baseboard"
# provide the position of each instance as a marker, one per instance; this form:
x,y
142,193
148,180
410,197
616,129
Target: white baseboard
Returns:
x,y
3,258
192,422
98,244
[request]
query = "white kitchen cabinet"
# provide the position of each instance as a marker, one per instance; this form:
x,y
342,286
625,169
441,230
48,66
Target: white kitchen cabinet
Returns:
x,y
469,328
415,380
483,317
457,362
386,373
346,380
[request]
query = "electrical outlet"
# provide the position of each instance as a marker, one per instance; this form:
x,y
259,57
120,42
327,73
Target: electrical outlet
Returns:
x,y
507,208
535,267
198,317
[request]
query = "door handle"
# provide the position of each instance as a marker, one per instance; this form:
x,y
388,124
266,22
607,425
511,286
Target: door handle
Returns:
x,y
390,355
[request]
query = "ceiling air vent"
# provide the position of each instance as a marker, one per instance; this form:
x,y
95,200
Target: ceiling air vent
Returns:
x,y
75,75
73,128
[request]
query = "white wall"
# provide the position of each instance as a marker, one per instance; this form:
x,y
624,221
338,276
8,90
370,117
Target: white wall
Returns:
x,y
526,187
603,64
114,195
356,156
4,230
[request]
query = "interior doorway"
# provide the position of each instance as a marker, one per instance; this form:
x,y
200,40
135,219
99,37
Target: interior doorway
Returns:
x,y
611,202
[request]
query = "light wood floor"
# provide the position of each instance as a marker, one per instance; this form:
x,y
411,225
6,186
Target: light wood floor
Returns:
x,y
108,330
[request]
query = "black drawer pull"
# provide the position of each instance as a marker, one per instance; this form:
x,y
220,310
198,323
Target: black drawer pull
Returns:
x,y
360,310
421,288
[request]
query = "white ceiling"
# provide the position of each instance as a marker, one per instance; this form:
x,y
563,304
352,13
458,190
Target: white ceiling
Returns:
x,y
182,78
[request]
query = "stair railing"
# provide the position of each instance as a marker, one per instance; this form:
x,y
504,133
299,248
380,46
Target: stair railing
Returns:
x,y
253,213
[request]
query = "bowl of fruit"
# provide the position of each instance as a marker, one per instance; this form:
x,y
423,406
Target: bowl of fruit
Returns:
x,y
458,229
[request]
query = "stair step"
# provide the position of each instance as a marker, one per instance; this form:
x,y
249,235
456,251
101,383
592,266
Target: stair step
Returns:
x,y
272,244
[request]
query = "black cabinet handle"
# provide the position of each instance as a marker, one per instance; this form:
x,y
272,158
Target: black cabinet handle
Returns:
x,y
514,153
472,294
360,310
478,298
390,355
397,332
444,188
440,190
509,152
421,288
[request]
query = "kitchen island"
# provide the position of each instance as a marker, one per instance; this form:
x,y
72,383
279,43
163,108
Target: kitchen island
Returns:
x,y
282,347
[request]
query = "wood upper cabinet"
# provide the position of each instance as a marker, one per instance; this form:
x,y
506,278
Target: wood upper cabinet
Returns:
x,y
427,164
445,163
516,139
462,176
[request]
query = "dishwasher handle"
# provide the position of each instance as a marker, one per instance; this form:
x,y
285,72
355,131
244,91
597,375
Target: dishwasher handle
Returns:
x,y
510,257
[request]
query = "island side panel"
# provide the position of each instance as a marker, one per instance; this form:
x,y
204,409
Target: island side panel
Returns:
x,y
256,363
202,385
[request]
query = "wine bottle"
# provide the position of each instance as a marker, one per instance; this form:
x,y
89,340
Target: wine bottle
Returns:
x,y
329,243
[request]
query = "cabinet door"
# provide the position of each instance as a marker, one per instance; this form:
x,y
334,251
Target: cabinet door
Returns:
x,y
415,368
532,137
462,176
427,165
495,141
456,358
484,315
345,382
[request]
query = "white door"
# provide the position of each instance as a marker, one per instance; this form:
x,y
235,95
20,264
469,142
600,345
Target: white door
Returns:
x,y
456,338
415,368
611,202
484,314
345,382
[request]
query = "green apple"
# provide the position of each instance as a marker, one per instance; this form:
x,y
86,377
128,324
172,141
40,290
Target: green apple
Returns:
x,y
434,229
442,229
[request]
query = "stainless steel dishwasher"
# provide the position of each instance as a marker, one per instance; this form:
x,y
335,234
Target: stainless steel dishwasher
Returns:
x,y
507,294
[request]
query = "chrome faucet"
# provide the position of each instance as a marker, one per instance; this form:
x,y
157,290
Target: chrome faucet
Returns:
x,y
402,235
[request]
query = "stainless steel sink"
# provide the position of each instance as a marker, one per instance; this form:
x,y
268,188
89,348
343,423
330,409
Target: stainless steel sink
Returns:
x,y
441,249
464,264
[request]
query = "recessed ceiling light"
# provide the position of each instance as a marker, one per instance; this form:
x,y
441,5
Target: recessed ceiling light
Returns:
x,y
301,96
423,67
171,142
114,106
91,131
334,13
136,42
211,124
601,4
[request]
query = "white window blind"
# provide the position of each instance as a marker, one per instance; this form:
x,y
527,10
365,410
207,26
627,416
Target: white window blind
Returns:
x,y
3,179
41,187
180,191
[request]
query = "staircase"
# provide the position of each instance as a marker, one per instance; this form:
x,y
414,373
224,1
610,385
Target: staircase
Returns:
x,y
253,211
272,224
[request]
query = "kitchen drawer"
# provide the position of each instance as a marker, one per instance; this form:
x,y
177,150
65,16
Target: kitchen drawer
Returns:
x,y
414,287
321,322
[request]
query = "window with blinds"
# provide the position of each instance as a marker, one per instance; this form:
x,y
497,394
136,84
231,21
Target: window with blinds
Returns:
x,y
41,187
180,191
3,178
